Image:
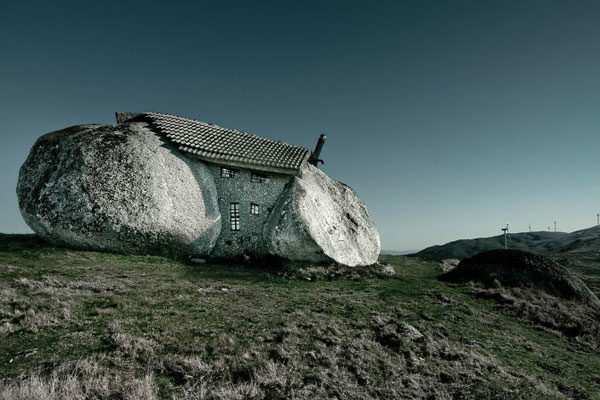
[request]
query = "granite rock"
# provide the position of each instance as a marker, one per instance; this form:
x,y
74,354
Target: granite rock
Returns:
x,y
318,219
118,188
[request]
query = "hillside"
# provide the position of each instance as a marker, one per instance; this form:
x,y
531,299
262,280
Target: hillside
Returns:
x,y
522,269
79,324
586,240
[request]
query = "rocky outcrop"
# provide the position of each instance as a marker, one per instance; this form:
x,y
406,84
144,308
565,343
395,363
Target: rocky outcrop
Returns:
x,y
118,188
449,264
319,219
515,268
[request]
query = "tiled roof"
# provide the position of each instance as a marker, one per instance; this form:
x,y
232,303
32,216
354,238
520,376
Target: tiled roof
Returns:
x,y
227,146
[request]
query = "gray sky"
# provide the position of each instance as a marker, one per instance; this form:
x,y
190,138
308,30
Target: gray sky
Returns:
x,y
449,118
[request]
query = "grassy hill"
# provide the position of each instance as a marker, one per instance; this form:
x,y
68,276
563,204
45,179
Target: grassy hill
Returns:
x,y
586,240
77,324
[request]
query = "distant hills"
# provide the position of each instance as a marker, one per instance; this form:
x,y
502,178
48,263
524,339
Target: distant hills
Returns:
x,y
398,252
583,241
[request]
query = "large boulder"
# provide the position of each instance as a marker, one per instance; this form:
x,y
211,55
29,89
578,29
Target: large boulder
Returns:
x,y
321,220
118,188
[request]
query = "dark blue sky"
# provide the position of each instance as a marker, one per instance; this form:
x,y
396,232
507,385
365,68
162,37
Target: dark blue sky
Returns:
x,y
449,118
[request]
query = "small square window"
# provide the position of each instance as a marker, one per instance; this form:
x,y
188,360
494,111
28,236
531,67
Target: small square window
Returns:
x,y
259,178
254,208
227,172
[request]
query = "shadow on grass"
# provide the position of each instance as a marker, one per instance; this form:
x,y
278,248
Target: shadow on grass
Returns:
x,y
19,242
271,271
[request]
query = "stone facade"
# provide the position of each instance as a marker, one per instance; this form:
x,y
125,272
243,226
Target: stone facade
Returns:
x,y
248,240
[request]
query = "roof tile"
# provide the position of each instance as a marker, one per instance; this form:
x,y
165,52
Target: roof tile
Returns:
x,y
215,144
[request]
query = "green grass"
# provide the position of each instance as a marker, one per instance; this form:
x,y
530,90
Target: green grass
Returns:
x,y
127,326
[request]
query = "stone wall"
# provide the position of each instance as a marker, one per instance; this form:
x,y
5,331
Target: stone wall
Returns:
x,y
240,189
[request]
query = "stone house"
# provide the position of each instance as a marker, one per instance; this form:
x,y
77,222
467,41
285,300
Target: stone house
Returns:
x,y
250,173
160,184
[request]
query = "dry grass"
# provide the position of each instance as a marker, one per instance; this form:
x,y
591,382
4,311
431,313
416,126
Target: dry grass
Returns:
x,y
79,325
376,361
86,380
304,358
568,317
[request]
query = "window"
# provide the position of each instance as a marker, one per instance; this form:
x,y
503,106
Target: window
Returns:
x,y
254,208
227,172
234,216
259,178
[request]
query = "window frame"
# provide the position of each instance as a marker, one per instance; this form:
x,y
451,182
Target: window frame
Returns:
x,y
234,216
257,177
254,207
229,172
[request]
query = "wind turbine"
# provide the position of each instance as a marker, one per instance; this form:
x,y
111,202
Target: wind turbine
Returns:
x,y
506,236
554,226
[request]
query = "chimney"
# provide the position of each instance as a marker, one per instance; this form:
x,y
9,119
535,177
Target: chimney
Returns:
x,y
314,158
123,116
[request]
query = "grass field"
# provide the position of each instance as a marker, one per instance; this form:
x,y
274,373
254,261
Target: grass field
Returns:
x,y
76,324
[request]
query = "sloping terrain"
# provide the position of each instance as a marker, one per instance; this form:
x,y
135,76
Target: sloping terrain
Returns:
x,y
78,324
465,248
516,268
535,288
583,241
